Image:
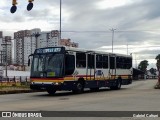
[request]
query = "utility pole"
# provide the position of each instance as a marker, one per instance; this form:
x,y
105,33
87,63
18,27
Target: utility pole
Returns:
x,y
127,48
113,30
31,44
6,54
2,57
135,61
6,57
60,19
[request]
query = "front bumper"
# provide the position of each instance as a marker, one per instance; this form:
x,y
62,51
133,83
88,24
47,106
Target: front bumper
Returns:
x,y
57,86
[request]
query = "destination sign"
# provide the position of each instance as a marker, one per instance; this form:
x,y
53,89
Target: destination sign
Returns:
x,y
48,50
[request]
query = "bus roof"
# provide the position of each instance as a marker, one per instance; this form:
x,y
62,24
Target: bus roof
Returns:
x,y
94,51
87,51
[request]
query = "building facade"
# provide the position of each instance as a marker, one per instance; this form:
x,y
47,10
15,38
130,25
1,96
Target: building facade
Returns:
x,y
5,49
48,39
24,46
67,42
1,51
26,41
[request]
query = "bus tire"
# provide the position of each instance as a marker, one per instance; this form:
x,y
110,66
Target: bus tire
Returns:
x,y
79,87
117,86
51,91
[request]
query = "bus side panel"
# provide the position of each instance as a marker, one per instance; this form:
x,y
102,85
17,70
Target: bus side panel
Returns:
x,y
126,75
100,83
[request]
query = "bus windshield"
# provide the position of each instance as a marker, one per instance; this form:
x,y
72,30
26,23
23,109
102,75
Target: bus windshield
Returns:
x,y
47,65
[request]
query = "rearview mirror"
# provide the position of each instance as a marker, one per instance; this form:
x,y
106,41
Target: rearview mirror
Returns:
x,y
29,61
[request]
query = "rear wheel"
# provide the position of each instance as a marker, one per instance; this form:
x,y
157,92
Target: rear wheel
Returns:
x,y
79,87
51,91
117,86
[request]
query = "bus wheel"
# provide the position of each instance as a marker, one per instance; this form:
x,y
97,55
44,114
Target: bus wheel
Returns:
x,y
79,87
51,91
94,89
117,86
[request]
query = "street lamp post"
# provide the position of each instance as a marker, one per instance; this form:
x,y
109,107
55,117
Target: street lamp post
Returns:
x,y
5,53
127,49
6,57
135,60
60,19
113,30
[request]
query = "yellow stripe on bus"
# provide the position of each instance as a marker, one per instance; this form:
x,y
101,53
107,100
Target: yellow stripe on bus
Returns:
x,y
76,78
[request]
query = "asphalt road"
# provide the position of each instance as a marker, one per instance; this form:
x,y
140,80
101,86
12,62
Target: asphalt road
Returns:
x,y
139,96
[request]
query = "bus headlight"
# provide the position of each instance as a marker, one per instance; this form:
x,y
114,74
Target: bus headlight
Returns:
x,y
32,83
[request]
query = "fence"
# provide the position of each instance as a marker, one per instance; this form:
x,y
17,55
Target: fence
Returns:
x,y
15,81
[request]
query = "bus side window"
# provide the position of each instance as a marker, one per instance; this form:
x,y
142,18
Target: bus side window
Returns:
x,y
69,64
118,62
90,61
105,61
80,60
112,62
99,61
129,63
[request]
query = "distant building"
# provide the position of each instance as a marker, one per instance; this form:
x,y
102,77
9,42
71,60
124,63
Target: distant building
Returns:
x,y
48,39
26,41
22,46
1,52
67,42
5,49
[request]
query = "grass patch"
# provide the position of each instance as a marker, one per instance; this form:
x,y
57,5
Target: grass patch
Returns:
x,y
14,88
14,84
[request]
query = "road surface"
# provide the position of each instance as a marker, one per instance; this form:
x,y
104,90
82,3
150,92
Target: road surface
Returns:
x,y
139,96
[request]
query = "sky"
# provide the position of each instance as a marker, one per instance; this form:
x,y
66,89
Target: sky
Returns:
x,y
89,23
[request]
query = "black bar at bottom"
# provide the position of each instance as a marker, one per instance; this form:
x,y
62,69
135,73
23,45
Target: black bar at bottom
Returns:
x,y
137,114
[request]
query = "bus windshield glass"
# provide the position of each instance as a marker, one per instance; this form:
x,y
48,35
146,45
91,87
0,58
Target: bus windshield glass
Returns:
x,y
47,65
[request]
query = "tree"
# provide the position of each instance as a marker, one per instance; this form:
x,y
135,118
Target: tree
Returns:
x,y
158,67
143,65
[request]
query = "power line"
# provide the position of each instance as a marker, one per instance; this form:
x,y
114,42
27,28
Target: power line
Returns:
x,y
113,30
132,47
104,31
98,31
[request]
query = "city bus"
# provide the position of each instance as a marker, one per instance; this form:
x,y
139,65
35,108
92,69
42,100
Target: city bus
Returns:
x,y
74,69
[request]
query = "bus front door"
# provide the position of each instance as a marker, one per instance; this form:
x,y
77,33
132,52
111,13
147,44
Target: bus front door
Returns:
x,y
90,67
112,66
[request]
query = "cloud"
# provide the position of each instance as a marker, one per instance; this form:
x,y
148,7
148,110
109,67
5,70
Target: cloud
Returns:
x,y
88,22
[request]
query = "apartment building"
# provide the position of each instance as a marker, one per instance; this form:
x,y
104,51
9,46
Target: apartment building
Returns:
x,y
1,52
67,42
26,41
48,39
23,46
5,49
